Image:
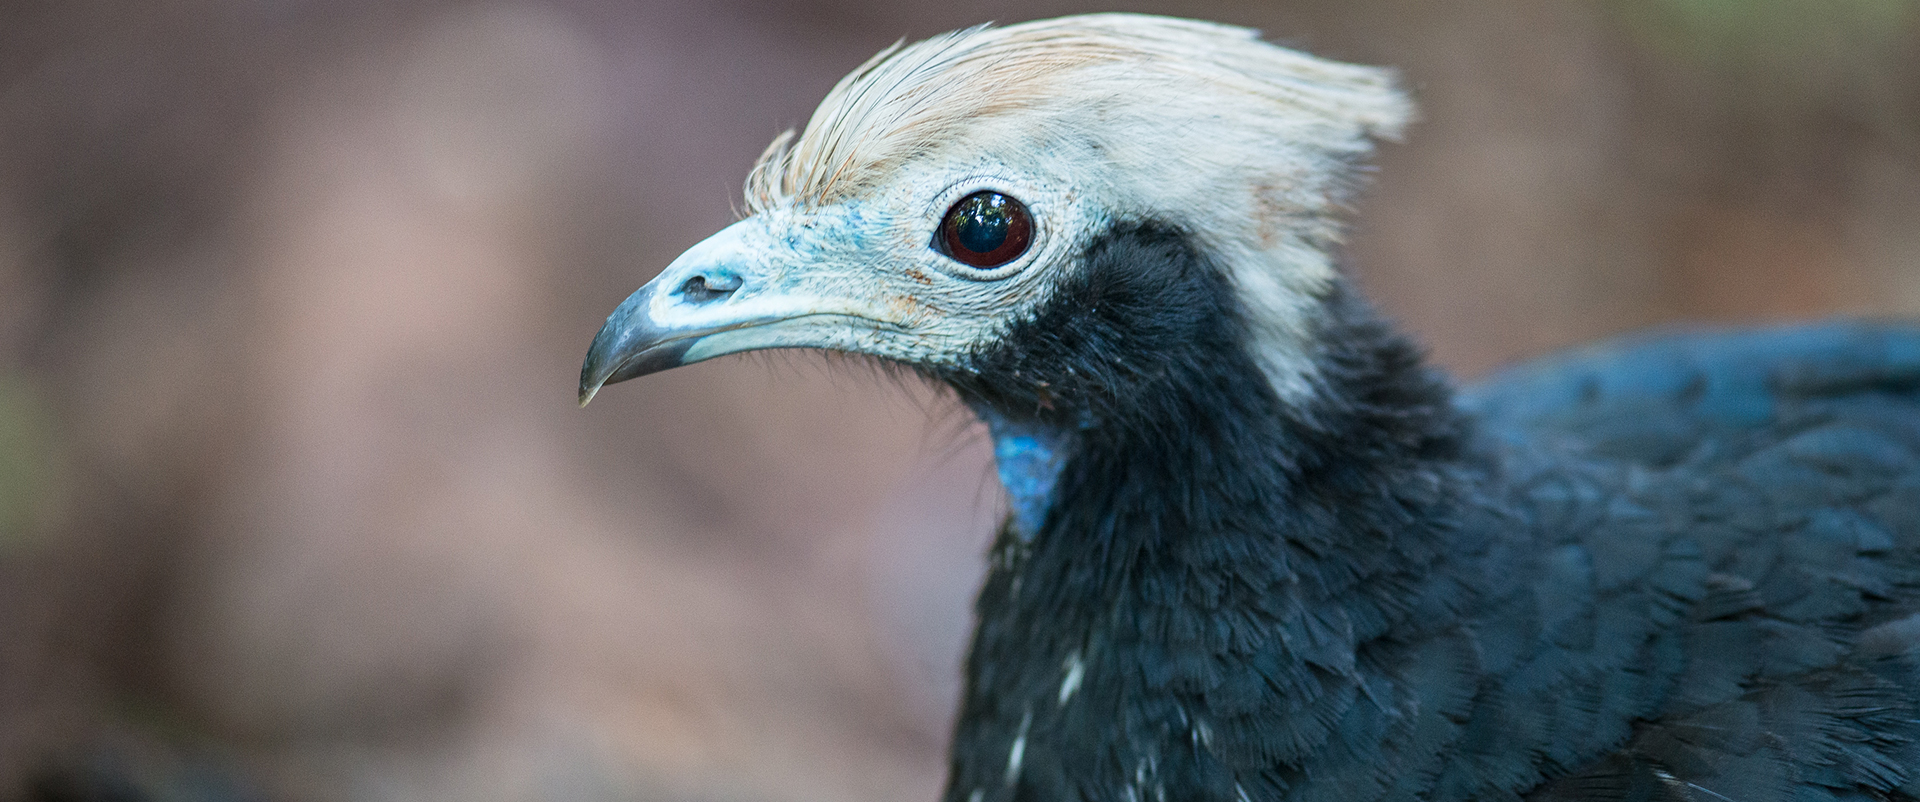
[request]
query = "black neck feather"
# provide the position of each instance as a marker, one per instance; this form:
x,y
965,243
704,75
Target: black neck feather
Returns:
x,y
1199,525
1139,367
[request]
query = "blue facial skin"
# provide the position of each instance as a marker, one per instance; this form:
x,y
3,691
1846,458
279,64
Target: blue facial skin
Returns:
x,y
1029,459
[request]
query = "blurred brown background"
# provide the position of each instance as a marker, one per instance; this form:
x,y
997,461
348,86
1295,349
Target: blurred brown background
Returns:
x,y
293,295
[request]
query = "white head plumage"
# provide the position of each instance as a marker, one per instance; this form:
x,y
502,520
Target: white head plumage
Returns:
x,y
1250,146
1089,123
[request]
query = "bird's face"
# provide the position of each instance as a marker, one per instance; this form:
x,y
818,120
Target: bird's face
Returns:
x,y
953,206
927,269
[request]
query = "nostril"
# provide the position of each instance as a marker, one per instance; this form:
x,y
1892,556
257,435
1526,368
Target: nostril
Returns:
x,y
707,287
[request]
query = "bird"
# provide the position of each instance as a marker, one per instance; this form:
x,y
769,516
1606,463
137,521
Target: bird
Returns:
x,y
1258,547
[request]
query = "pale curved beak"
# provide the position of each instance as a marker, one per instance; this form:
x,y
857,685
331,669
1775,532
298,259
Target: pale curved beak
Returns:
x,y
738,290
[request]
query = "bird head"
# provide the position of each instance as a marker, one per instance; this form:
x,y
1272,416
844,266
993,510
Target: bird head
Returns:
x,y
1035,213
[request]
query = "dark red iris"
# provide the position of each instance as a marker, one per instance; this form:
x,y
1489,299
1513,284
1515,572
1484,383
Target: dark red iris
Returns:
x,y
985,229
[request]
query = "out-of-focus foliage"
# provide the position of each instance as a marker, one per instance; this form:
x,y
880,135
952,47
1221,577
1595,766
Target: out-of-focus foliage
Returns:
x,y
1796,45
31,493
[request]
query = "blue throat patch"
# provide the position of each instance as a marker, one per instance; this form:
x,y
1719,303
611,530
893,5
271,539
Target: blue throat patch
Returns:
x,y
1029,459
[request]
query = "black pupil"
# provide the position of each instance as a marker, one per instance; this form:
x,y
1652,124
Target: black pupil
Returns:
x,y
984,230
980,222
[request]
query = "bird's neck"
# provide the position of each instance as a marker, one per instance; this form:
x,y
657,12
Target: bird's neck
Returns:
x,y
1193,553
1207,538
1209,449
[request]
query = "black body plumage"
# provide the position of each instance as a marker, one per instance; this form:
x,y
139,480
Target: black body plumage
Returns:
x,y
1681,568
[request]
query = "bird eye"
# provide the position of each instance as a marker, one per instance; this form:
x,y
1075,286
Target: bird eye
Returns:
x,y
985,229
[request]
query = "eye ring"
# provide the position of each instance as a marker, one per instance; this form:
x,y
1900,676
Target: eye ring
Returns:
x,y
984,230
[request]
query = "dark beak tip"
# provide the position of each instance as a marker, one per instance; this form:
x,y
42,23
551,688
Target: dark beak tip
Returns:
x,y
593,376
612,349
609,362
